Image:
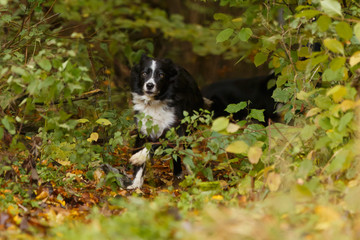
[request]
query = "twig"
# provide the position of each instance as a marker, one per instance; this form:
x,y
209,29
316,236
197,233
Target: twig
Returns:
x,y
82,97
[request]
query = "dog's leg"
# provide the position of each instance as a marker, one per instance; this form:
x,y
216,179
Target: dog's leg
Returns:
x,y
177,168
138,160
140,157
139,172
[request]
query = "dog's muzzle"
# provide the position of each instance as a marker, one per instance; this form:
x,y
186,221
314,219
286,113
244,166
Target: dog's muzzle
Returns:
x,y
150,88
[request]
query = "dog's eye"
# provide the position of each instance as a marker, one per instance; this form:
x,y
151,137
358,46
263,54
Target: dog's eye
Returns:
x,y
143,74
161,75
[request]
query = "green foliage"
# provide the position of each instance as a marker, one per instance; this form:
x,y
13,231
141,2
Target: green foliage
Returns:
x,y
300,177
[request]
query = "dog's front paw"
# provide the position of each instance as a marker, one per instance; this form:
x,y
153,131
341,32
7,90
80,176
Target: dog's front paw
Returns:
x,y
140,157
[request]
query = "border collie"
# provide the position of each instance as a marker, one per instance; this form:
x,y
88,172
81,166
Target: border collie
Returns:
x,y
161,91
254,89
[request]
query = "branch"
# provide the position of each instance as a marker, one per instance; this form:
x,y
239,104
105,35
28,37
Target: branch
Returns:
x,y
81,97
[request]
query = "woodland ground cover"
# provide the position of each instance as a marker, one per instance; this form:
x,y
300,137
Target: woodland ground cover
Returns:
x,y
65,112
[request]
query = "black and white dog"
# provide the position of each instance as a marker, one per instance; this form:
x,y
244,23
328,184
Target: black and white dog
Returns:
x,y
161,91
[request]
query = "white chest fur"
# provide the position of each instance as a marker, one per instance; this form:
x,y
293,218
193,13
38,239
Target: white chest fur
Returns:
x,y
158,111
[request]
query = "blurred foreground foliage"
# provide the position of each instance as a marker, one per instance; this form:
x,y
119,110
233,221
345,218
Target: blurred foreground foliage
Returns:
x,y
63,117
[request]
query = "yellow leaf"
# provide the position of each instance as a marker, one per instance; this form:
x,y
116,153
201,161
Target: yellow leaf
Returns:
x,y
327,217
239,147
337,93
276,62
313,112
347,104
82,120
254,154
237,19
103,121
77,35
273,181
232,128
220,124
93,137
63,162
302,95
354,59
217,197
17,219
42,195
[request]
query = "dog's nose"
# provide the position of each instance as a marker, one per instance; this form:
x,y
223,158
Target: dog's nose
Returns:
x,y
150,86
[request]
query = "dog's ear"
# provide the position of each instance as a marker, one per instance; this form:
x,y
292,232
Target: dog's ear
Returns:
x,y
134,77
172,69
144,57
174,73
168,61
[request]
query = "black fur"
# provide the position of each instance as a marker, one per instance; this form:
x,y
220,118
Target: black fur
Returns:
x,y
254,89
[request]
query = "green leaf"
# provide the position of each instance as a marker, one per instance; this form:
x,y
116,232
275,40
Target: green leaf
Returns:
x,y
345,120
239,147
329,75
257,114
303,52
44,63
33,87
309,14
260,58
334,45
307,132
325,123
8,124
323,102
319,59
188,161
220,124
357,31
323,23
208,173
337,63
18,70
207,186
234,108
282,95
338,161
103,121
331,7
222,17
304,169
344,30
224,35
245,34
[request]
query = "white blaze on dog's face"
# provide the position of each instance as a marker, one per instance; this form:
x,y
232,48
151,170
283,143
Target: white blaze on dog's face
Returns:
x,y
151,78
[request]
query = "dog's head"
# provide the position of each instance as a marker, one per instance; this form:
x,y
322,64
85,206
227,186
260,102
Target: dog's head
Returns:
x,y
151,77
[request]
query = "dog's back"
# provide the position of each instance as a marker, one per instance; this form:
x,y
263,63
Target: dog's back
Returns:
x,y
233,91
